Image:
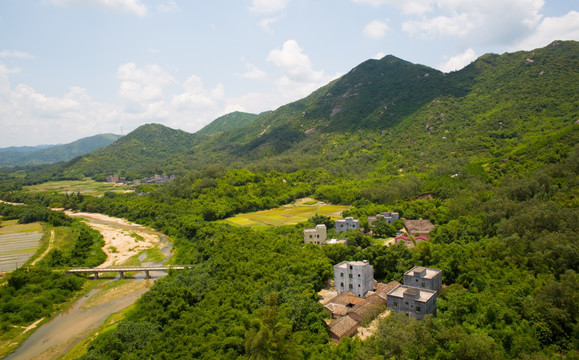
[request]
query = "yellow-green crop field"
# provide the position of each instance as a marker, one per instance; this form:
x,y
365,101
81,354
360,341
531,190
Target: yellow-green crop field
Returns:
x,y
287,215
87,187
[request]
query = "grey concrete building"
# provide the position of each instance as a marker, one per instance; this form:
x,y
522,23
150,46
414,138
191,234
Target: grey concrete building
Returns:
x,y
346,224
424,278
388,216
354,276
414,302
317,235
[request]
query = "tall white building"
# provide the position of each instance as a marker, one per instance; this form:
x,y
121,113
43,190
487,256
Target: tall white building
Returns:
x,y
354,276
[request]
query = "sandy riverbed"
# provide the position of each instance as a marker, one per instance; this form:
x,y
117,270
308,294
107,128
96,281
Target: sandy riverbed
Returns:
x,y
123,239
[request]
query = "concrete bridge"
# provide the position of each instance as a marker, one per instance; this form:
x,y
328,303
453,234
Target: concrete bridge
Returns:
x,y
124,269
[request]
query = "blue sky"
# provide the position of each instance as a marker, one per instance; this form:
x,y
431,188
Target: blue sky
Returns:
x,y
76,68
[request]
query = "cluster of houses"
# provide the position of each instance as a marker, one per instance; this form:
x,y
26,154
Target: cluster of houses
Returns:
x,y
415,231
360,298
155,179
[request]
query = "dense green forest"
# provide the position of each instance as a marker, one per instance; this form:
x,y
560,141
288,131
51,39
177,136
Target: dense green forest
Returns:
x,y
489,154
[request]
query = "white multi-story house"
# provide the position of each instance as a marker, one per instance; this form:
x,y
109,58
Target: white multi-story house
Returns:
x,y
317,235
354,276
346,224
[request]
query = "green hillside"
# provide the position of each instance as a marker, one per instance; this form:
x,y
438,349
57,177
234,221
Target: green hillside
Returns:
x,y
228,122
141,152
23,156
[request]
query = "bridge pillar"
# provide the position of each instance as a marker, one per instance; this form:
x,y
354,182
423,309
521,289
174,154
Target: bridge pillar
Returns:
x,y
147,275
122,274
96,275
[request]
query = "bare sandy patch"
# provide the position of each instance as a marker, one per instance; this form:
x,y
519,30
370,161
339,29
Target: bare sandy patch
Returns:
x,y
123,239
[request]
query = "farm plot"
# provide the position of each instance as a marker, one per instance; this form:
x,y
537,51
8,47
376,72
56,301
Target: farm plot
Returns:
x,y
290,214
18,243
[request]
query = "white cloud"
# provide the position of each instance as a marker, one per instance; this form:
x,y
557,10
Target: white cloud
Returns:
x,y
168,7
130,6
265,24
458,25
376,29
407,6
552,28
459,61
299,78
253,72
15,54
139,85
268,6
379,55
478,22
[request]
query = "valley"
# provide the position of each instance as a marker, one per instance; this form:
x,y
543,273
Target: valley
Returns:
x,y
489,155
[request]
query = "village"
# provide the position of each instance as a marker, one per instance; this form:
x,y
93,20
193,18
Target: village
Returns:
x,y
354,300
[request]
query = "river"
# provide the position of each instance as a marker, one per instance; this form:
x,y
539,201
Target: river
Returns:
x,y
81,319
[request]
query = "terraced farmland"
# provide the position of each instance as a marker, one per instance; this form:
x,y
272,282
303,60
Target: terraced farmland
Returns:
x,y
18,243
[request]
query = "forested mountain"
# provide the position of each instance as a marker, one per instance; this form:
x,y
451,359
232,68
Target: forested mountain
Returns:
x,y
144,151
228,122
387,112
44,154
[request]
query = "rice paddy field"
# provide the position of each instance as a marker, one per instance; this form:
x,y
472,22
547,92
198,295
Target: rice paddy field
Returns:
x,y
290,214
87,187
18,242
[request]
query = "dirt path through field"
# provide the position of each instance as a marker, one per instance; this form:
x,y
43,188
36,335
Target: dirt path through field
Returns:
x,y
50,242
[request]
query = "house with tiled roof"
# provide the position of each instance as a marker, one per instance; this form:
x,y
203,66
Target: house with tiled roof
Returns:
x,y
344,326
368,310
418,227
382,289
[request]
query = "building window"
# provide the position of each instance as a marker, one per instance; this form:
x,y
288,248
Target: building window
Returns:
x,y
406,303
341,274
422,284
358,285
350,276
350,267
416,280
358,275
342,284
310,236
395,304
350,286
418,309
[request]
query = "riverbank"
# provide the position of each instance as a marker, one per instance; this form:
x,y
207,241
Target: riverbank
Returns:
x,y
125,243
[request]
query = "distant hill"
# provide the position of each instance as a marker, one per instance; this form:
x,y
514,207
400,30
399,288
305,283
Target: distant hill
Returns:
x,y
46,154
143,151
231,121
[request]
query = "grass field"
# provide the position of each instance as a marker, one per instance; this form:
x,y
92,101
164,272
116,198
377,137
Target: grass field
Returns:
x,y
291,214
87,187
